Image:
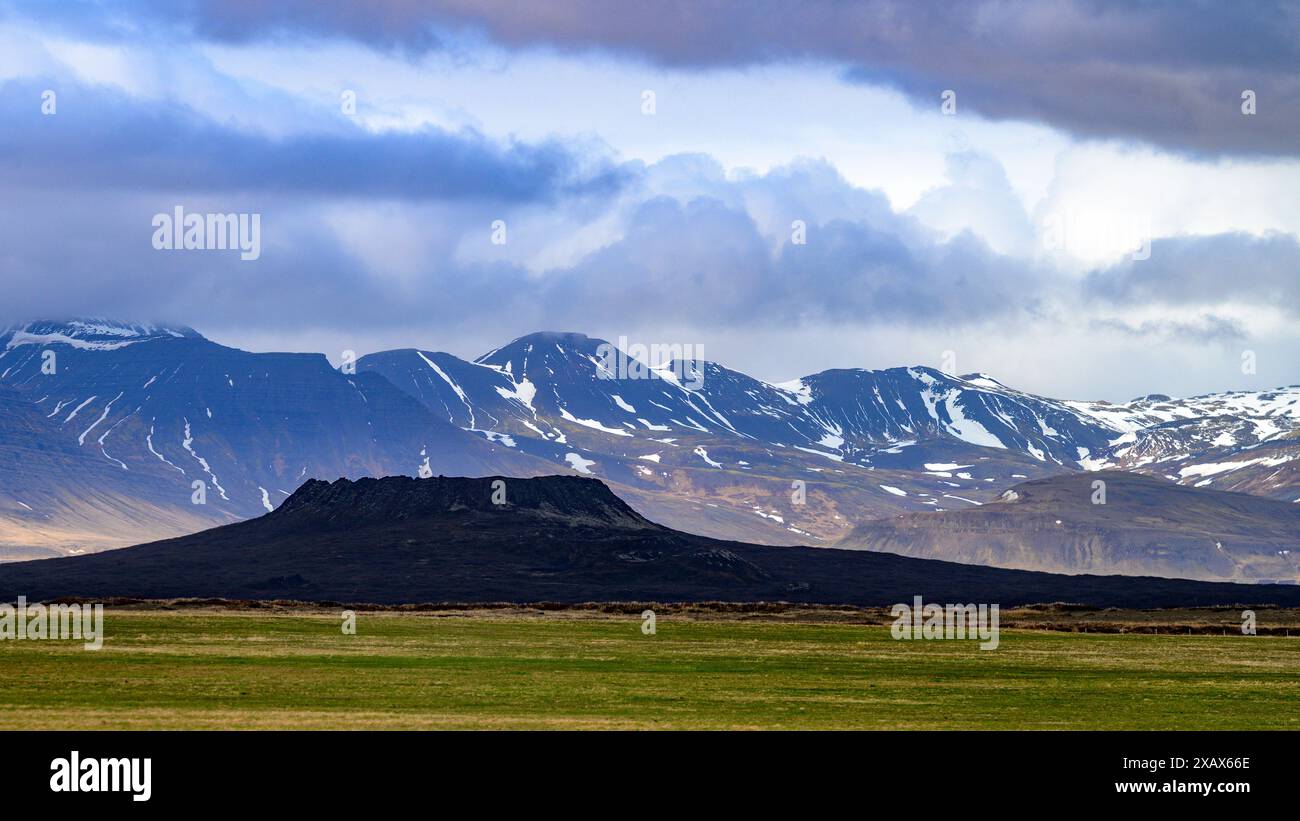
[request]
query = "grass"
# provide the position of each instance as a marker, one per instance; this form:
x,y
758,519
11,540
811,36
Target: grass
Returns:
x,y
222,669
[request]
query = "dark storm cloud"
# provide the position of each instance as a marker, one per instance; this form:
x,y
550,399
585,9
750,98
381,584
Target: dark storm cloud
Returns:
x,y
102,138
1169,72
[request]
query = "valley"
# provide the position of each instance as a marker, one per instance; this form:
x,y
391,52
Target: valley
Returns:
x,y
193,666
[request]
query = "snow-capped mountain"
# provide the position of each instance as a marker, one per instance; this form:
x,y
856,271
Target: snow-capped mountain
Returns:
x,y
711,449
691,444
541,380
169,406
91,334
1239,440
538,383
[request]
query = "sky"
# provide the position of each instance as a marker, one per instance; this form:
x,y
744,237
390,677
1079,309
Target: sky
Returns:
x,y
1083,199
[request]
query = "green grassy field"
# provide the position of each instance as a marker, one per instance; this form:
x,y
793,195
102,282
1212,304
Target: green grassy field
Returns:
x,y
207,669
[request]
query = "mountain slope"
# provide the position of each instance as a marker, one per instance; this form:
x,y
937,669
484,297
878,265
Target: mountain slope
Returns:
x,y
56,498
1146,526
402,540
167,407
705,448
702,447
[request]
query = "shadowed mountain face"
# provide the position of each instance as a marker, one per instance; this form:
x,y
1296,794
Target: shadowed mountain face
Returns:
x,y
1144,526
57,497
567,539
556,501
139,414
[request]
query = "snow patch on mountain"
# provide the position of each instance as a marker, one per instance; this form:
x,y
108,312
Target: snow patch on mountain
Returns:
x,y
524,392
578,463
456,388
1214,468
704,454
81,440
592,423
969,430
188,444
148,440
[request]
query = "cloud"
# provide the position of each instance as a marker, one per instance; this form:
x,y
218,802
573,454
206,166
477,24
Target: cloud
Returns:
x,y
1166,72
681,242
1230,268
392,228
978,197
103,138
1206,328
396,251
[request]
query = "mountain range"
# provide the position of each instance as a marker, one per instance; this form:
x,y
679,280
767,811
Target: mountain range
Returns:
x,y
400,540
107,426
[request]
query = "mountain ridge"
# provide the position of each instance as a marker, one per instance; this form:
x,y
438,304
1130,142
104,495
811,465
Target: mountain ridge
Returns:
x,y
691,443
